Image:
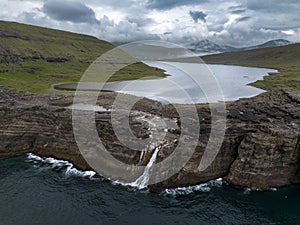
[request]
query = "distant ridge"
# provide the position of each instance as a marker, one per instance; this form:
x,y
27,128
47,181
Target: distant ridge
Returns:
x,y
206,46
270,44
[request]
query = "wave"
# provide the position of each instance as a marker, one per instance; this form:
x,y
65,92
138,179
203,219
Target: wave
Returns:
x,y
206,187
68,169
60,165
248,191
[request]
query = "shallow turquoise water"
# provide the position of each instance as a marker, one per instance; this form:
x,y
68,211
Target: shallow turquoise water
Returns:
x,y
39,195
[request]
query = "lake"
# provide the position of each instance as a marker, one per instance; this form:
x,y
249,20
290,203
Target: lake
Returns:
x,y
189,83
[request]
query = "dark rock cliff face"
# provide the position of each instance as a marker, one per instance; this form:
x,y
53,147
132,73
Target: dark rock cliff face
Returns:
x,y
269,155
261,149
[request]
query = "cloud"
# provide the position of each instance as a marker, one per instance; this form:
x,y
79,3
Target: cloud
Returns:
x,y
169,4
125,32
106,29
238,11
245,18
198,15
230,22
244,33
272,5
71,11
140,20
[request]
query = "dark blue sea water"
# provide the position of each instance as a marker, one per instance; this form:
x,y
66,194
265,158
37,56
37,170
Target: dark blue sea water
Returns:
x,y
37,194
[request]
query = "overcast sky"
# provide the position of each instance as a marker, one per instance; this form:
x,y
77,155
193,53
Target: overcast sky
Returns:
x,y
236,23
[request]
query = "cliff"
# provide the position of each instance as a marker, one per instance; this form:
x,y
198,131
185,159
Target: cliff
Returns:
x,y
261,149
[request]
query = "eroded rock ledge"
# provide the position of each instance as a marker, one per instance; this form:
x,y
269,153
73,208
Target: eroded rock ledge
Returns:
x,y
261,149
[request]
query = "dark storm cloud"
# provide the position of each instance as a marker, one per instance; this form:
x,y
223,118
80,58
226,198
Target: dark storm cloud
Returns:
x,y
72,11
198,15
169,4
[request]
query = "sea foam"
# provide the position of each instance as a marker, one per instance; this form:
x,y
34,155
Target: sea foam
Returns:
x,y
68,169
61,165
206,187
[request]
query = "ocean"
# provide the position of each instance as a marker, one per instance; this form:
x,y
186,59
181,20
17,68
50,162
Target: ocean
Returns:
x,y
54,192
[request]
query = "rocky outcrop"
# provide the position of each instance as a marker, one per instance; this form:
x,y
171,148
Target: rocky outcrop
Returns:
x,y
265,160
269,155
261,146
261,149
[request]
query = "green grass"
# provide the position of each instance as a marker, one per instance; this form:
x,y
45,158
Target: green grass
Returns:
x,y
286,59
27,53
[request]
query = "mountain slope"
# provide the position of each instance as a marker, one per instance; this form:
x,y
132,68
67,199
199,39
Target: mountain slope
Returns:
x,y
285,58
32,58
210,47
206,46
269,44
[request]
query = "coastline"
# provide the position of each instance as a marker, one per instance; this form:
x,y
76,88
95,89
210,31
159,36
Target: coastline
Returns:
x,y
261,150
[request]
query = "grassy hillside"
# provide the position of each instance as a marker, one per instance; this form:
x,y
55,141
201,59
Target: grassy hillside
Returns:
x,y
32,58
286,59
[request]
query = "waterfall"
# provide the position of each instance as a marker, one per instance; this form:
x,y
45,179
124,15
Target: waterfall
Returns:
x,y
142,181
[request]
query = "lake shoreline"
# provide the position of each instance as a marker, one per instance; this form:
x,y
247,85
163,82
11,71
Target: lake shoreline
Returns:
x,y
186,83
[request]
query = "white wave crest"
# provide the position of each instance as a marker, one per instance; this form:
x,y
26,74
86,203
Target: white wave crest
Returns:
x,y
65,166
206,187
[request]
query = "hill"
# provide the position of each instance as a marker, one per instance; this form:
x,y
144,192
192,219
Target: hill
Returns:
x,y
32,58
206,46
286,59
269,44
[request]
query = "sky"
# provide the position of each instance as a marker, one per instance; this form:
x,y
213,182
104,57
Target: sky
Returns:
x,y
226,22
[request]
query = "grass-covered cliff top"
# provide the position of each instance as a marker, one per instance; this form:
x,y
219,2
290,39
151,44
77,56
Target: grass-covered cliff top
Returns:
x,y
32,58
286,59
